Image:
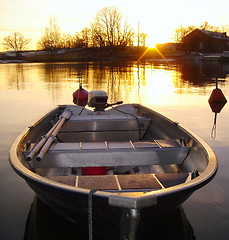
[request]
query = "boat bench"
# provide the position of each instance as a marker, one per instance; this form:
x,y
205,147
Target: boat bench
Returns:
x,y
104,126
135,182
112,154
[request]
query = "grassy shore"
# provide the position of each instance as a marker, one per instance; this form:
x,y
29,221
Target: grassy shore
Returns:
x,y
85,54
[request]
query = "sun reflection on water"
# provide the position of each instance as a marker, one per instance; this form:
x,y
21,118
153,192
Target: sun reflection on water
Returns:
x,y
153,83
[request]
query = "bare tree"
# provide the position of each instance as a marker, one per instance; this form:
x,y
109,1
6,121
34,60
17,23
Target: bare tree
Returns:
x,y
51,40
17,42
97,35
79,39
66,41
108,29
142,39
206,26
86,36
69,41
181,32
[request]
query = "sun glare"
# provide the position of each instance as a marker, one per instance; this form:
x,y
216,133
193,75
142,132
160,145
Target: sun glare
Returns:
x,y
154,38
152,45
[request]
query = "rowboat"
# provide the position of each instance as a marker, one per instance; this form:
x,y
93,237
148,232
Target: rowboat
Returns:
x,y
127,159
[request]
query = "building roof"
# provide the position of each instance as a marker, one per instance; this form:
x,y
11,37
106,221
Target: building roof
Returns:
x,y
217,35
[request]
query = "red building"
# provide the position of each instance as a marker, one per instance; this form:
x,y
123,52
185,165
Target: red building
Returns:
x,y
206,41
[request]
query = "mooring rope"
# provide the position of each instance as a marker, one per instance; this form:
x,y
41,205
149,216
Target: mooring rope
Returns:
x,y
90,222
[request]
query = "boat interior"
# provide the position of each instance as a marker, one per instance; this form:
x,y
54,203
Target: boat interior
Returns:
x,y
127,148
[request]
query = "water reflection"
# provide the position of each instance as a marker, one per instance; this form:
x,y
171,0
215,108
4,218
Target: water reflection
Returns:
x,y
118,75
202,73
148,83
16,77
195,77
43,223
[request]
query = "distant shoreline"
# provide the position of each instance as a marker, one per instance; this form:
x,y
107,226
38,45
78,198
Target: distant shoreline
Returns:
x,y
88,54
109,54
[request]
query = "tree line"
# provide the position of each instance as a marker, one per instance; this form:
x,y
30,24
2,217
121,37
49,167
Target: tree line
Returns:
x,y
108,29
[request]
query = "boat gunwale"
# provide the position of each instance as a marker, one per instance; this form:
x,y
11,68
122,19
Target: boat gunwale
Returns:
x,y
129,202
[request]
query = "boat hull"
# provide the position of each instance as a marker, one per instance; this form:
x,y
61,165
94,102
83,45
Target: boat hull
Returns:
x,y
118,221
70,205
71,201
43,222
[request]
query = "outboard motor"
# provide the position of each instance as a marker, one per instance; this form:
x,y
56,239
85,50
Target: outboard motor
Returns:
x,y
98,100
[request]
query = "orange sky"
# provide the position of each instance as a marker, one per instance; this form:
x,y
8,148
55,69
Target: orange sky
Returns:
x,y
158,19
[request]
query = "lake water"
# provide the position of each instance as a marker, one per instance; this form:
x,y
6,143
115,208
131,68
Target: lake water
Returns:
x,y
180,91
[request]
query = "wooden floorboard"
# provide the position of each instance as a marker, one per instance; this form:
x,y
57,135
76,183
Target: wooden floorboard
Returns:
x,y
69,180
172,179
125,181
103,182
138,181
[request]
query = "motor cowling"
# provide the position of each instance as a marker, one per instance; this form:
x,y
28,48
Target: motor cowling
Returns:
x,y
80,97
98,100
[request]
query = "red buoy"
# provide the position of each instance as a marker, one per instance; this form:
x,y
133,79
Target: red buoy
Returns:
x,y
80,97
217,100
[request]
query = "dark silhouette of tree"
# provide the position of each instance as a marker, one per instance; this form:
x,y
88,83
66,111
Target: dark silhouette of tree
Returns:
x,y
108,29
66,41
17,42
51,40
206,26
142,39
181,32
71,41
78,40
86,36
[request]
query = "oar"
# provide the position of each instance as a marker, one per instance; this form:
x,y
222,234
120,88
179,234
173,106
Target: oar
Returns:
x,y
66,115
42,142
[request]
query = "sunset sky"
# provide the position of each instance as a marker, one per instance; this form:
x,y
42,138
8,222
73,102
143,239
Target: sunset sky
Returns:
x,y
158,19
